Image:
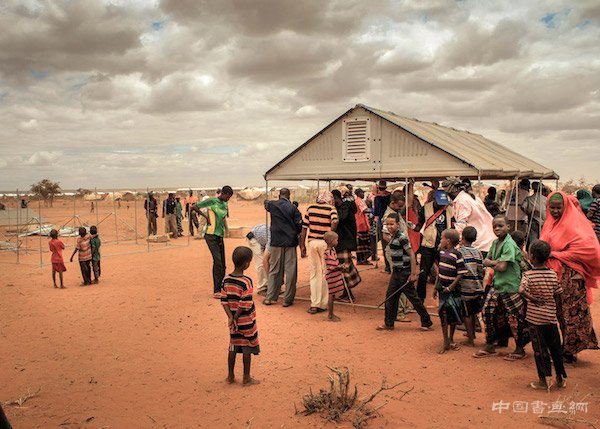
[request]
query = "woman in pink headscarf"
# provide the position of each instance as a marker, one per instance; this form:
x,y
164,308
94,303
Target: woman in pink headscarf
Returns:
x,y
575,258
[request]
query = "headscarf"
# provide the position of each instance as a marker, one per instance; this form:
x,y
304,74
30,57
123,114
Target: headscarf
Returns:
x,y
573,241
585,199
325,197
453,184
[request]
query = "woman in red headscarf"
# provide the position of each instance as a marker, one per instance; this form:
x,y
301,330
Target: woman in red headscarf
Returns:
x,y
575,258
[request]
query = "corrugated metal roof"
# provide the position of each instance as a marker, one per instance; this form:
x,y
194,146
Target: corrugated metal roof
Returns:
x,y
483,157
492,159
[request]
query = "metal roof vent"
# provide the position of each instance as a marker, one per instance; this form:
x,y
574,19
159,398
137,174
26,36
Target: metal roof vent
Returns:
x,y
356,138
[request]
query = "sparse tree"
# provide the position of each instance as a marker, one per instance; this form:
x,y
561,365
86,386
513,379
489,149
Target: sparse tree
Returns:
x,y
82,192
46,190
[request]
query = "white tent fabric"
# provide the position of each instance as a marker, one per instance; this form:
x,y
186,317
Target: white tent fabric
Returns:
x,y
400,148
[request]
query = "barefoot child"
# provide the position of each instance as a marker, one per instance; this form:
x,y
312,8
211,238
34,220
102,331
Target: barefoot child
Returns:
x,y
505,258
471,284
450,272
236,298
95,243
404,275
333,275
85,255
58,264
541,290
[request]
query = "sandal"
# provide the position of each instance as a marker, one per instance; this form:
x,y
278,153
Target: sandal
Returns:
x,y
536,385
454,346
483,354
313,310
511,357
384,328
268,302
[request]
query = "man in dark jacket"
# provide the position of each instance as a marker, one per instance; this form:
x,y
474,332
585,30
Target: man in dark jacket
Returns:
x,y
286,225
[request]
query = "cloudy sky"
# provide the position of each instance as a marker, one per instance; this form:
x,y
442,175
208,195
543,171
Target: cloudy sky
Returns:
x,y
205,92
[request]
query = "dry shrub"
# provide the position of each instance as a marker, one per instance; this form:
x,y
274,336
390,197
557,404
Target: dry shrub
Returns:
x,y
342,401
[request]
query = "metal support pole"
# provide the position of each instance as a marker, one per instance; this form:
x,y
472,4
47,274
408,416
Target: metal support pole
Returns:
x,y
147,219
517,206
40,231
74,218
27,235
18,229
96,205
318,187
135,193
266,198
115,213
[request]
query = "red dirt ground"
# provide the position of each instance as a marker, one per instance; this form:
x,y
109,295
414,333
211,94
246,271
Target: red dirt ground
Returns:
x,y
147,349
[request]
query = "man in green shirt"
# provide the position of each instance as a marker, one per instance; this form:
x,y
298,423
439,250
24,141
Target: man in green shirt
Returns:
x,y
215,231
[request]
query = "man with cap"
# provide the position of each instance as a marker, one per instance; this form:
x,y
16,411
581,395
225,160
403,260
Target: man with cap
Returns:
x,y
434,217
469,211
151,209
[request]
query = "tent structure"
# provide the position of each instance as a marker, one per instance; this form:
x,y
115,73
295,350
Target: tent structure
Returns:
x,y
369,144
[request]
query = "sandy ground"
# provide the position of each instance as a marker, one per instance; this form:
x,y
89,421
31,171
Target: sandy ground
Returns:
x,y
147,349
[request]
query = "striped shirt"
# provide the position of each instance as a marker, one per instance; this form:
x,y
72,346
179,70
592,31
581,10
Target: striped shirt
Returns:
x,y
398,251
237,293
471,284
334,276
595,215
84,247
318,219
541,283
451,265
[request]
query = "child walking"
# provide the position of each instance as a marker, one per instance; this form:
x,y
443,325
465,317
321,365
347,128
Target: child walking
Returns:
x,y
95,243
471,283
450,273
58,264
333,274
541,290
85,255
236,298
404,275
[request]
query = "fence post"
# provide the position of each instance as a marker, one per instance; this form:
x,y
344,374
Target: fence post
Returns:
x,y
18,229
40,231
115,214
135,193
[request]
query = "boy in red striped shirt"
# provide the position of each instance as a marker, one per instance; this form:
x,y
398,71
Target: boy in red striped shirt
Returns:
x,y
541,290
236,298
333,274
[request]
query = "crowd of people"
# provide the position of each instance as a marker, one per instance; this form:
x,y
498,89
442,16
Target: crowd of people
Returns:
x,y
518,265
528,277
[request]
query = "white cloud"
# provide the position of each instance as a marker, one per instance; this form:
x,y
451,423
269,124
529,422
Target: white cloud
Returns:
x,y
42,159
154,90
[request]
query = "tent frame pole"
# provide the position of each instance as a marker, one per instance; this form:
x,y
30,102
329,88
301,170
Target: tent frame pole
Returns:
x,y
517,205
266,199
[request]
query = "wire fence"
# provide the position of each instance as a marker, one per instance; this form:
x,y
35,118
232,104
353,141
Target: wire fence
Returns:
x,y
120,217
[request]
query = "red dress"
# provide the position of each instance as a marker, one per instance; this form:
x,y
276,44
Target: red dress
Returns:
x,y
56,247
334,275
